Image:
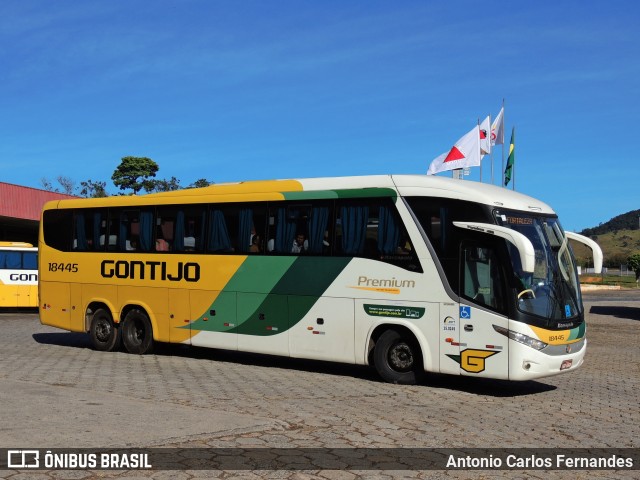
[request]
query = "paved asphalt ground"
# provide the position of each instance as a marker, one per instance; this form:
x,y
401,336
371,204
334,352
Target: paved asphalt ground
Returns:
x,y
56,392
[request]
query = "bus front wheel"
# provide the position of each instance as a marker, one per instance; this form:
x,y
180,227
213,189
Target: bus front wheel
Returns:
x,y
137,333
397,358
105,337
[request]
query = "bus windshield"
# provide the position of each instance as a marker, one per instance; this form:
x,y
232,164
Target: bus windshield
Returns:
x,y
552,290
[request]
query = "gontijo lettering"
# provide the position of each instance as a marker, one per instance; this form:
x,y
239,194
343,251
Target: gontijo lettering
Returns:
x,y
23,277
135,269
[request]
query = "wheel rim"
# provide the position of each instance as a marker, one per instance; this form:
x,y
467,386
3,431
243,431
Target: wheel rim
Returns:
x,y
401,357
103,330
137,332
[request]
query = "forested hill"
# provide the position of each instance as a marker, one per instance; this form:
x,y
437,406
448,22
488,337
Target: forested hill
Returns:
x,y
626,221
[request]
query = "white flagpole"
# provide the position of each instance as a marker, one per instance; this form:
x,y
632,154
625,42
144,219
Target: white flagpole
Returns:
x,y
480,152
513,165
491,153
503,128
490,148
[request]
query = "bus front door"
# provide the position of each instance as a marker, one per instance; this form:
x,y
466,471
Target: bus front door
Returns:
x,y
483,351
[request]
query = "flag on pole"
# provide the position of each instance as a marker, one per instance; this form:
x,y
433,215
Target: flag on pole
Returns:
x,y
508,171
485,136
497,129
465,153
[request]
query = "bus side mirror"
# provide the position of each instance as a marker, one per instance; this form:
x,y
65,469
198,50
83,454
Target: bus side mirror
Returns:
x,y
595,248
522,243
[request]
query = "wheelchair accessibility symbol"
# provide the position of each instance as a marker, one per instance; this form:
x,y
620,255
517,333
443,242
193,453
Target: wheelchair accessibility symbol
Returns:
x,y
465,312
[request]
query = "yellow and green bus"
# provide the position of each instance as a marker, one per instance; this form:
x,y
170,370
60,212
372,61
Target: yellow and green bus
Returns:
x,y
407,273
18,275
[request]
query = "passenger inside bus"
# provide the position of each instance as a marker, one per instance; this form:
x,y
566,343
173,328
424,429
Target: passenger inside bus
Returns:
x,y
300,245
255,246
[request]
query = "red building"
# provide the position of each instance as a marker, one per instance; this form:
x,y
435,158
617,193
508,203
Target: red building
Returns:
x,y
20,209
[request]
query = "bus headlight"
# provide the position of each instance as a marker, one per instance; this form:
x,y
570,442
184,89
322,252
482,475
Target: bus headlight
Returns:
x,y
521,338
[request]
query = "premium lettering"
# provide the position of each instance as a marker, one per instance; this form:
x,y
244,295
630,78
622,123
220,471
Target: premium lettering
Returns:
x,y
135,269
393,282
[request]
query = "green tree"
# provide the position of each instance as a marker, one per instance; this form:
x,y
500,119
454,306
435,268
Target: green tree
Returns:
x,y
135,173
633,263
91,189
163,185
67,184
47,185
201,182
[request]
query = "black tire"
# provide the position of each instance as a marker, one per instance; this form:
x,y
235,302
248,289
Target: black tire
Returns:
x,y
398,358
105,336
137,333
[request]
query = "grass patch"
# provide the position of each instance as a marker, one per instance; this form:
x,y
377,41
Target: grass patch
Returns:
x,y
616,246
624,281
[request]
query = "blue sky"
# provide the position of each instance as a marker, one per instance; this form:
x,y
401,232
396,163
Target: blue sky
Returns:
x,y
243,90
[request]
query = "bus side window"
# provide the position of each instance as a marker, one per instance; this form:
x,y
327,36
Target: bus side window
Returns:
x,y
393,242
12,260
194,229
89,230
372,228
164,234
109,239
179,228
218,240
30,260
131,230
352,229
319,230
288,223
58,229
300,228
248,223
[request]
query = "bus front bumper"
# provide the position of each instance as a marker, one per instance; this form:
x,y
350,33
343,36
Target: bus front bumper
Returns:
x,y
527,363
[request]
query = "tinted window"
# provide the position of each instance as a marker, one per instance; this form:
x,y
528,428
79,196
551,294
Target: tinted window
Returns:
x,y
57,229
89,229
482,278
180,228
30,260
436,216
372,228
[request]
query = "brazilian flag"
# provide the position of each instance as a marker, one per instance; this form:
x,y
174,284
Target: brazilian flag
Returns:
x,y
508,171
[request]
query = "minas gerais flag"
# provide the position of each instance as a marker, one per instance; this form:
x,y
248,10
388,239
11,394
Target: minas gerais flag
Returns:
x,y
465,153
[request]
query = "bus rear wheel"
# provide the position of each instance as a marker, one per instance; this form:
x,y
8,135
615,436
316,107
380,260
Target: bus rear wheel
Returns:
x,y
105,337
397,358
137,333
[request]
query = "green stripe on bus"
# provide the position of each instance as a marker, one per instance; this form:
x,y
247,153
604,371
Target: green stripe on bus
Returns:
x,y
577,332
264,313
346,193
310,275
317,195
291,298
254,279
367,193
259,274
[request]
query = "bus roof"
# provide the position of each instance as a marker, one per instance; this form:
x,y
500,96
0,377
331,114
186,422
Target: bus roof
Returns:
x,y
4,244
404,185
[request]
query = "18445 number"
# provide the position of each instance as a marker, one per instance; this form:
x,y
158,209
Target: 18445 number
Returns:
x,y
63,267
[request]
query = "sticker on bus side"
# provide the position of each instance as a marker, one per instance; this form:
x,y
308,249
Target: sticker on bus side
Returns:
x,y
393,311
